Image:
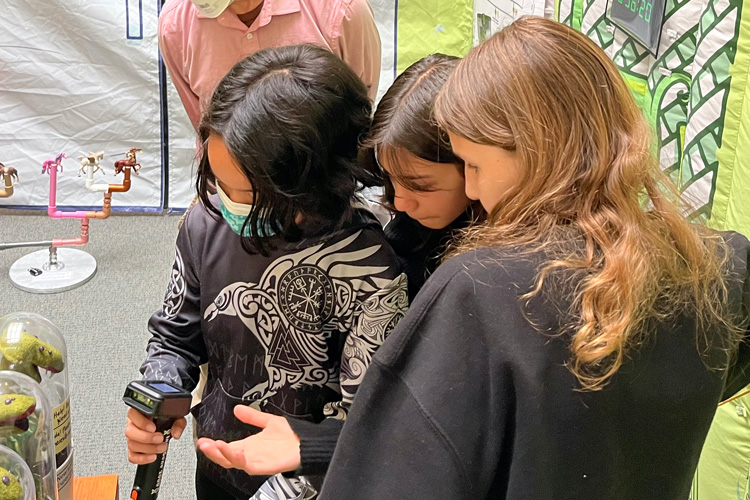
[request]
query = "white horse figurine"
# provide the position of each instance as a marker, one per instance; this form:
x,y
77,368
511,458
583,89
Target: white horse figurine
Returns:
x,y
90,160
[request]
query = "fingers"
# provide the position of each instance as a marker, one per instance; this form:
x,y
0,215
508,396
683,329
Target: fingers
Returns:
x,y
141,421
221,453
252,416
142,452
146,449
208,447
143,443
134,433
178,428
235,457
259,465
139,459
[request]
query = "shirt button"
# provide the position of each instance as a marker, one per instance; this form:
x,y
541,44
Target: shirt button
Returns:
x,y
249,36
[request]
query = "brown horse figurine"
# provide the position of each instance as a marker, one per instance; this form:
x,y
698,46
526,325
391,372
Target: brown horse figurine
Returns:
x,y
9,171
129,161
6,180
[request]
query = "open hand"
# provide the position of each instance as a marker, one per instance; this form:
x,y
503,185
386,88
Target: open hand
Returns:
x,y
273,450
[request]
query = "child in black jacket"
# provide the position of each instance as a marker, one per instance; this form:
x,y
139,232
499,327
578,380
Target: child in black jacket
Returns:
x,y
280,282
424,184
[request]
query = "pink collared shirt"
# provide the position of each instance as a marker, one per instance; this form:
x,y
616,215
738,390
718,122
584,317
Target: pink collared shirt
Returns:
x,y
199,51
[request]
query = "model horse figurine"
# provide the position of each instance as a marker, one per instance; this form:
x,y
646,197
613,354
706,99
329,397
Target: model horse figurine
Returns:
x,y
129,161
56,163
9,172
92,160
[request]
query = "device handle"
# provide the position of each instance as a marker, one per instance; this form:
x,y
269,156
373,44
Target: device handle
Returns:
x,y
148,476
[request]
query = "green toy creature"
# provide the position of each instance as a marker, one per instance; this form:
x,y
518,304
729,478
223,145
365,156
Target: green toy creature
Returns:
x,y
10,486
25,354
15,410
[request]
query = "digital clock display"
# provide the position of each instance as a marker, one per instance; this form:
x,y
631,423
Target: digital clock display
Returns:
x,y
641,19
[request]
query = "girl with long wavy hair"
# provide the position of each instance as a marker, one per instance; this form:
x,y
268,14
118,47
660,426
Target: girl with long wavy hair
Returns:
x,y
577,343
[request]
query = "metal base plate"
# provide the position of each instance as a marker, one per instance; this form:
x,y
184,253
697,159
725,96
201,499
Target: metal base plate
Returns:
x,y
74,268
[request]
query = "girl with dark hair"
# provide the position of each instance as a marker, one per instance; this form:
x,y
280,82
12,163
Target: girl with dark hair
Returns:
x,y
424,180
424,183
280,283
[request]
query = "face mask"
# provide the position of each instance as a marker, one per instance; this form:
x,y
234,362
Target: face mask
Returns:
x,y
235,214
211,8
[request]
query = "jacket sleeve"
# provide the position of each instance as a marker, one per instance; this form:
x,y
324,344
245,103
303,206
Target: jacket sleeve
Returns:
x,y
317,443
358,43
376,317
171,47
408,434
176,348
738,375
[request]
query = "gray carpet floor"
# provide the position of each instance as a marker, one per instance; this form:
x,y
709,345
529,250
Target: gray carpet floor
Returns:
x,y
104,325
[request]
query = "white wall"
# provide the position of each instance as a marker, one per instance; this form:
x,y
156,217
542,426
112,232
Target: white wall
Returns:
x,y
71,80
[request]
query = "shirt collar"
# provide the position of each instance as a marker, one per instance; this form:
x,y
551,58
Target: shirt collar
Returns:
x,y
270,8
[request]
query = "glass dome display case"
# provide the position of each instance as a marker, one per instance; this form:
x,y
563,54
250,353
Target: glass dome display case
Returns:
x,y
16,481
32,345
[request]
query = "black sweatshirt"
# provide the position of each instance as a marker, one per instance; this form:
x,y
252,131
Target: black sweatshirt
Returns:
x,y
467,400
420,250
291,333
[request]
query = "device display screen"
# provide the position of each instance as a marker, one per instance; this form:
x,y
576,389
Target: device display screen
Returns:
x,y
641,19
161,387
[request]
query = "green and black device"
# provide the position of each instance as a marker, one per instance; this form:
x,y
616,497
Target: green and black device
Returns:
x,y
641,19
165,403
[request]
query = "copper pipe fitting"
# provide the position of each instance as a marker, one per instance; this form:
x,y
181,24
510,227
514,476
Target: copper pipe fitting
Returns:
x,y
104,212
8,190
121,188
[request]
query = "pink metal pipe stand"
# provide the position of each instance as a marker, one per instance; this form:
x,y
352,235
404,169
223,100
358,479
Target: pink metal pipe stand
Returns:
x,y
61,268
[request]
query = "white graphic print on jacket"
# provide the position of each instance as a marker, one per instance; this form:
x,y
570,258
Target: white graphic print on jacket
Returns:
x,y
175,295
300,300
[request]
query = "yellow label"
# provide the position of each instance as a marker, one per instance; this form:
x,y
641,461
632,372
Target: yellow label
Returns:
x,y
61,424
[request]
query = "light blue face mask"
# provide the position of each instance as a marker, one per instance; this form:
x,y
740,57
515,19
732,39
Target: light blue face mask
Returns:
x,y
236,214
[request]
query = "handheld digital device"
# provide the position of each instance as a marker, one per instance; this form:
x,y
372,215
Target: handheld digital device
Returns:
x,y
641,19
165,403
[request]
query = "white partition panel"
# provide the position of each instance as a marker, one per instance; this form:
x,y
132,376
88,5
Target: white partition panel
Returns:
x,y
79,76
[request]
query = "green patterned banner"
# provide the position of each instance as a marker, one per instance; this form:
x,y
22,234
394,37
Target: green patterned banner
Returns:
x,y
426,27
693,93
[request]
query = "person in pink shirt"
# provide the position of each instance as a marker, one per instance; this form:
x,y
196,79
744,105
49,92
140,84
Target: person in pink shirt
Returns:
x,y
201,40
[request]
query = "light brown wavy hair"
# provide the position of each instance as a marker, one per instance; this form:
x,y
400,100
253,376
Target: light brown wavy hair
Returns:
x,y
551,95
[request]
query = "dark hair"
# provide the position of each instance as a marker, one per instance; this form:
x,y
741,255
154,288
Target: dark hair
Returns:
x,y
292,118
404,121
